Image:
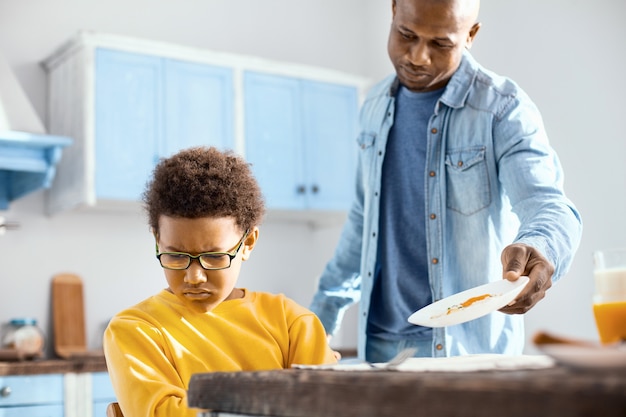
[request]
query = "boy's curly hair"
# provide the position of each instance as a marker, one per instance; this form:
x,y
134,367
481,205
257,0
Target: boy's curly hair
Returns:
x,y
204,182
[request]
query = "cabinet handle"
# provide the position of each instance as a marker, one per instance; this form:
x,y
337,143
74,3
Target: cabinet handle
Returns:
x,y
5,391
301,189
315,189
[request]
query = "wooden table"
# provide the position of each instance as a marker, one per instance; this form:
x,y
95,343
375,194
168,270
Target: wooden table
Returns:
x,y
558,392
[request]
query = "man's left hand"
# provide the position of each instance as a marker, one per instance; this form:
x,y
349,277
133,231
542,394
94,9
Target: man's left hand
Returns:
x,y
519,259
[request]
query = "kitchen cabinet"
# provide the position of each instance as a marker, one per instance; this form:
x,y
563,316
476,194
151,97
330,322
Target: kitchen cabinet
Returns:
x,y
148,107
27,163
301,140
32,395
126,110
102,393
127,102
55,387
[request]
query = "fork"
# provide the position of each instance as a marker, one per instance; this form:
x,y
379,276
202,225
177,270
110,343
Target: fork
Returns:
x,y
397,360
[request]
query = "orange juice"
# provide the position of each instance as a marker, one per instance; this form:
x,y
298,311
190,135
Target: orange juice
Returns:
x,y
611,321
609,304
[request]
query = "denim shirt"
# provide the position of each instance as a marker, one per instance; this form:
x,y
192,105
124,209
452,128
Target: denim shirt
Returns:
x,y
491,179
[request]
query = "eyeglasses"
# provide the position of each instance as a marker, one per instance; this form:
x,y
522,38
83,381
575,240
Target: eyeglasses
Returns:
x,y
208,260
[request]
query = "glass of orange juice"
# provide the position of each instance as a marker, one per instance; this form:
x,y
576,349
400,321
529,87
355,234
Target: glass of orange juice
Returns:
x,y
609,301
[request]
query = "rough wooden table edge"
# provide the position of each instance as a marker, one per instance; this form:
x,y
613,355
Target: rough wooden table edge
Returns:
x,y
299,393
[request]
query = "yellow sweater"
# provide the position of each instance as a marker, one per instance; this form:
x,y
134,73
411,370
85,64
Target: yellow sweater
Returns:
x,y
152,349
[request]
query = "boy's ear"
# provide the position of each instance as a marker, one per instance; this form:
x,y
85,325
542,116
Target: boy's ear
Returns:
x,y
248,244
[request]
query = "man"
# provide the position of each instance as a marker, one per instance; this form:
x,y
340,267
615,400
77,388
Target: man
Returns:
x,y
457,186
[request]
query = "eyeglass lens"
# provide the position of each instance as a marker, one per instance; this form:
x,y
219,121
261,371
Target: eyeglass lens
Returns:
x,y
182,261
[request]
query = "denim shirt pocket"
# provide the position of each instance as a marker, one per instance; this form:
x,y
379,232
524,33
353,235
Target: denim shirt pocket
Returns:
x,y
366,140
467,180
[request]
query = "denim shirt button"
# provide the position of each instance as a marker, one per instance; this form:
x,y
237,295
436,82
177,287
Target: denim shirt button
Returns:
x,y
439,346
435,261
432,173
433,216
434,130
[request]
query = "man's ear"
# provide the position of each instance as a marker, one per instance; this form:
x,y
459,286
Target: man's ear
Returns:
x,y
471,35
248,244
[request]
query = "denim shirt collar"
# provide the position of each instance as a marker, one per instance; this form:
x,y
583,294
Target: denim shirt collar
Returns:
x,y
458,87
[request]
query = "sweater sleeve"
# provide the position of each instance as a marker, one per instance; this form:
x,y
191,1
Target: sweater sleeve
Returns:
x,y
308,343
145,381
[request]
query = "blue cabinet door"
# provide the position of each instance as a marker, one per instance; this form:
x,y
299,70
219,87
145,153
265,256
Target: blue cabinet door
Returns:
x,y
273,131
102,394
330,129
127,122
199,106
33,396
146,108
301,141
33,411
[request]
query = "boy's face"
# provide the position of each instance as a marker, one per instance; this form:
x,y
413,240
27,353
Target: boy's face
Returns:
x,y
201,289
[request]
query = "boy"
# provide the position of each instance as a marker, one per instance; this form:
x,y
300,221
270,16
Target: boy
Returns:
x,y
204,208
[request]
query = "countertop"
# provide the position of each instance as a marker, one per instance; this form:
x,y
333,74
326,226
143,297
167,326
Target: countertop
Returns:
x,y
53,366
91,363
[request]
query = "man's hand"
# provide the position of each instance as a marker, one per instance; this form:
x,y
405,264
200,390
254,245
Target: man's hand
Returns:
x,y
519,259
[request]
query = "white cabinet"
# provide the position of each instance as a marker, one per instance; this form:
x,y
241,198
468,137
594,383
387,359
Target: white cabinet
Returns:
x,y
128,102
301,140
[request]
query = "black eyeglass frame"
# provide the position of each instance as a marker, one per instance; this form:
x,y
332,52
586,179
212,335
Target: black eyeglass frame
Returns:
x,y
190,257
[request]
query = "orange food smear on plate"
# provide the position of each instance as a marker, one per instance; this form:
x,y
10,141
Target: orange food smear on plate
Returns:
x,y
468,302
472,300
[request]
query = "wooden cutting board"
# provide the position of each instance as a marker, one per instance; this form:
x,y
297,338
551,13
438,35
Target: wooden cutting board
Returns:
x,y
68,311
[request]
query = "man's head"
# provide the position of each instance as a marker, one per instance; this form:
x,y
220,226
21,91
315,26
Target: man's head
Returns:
x,y
204,182
427,39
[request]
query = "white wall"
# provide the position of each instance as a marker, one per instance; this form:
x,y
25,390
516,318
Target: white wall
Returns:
x,y
566,53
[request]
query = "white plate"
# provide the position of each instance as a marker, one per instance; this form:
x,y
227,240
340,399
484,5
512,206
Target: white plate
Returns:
x,y
587,356
449,310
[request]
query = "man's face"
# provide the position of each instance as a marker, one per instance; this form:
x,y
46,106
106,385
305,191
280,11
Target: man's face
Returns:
x,y
427,40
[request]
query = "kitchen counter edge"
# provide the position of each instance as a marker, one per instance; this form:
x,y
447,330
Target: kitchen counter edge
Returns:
x,y
53,366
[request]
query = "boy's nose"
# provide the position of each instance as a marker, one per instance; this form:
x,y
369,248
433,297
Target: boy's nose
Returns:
x,y
195,274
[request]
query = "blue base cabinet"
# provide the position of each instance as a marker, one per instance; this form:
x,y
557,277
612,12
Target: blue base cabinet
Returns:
x,y
102,393
34,411
56,395
32,396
